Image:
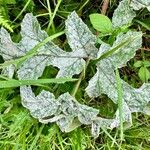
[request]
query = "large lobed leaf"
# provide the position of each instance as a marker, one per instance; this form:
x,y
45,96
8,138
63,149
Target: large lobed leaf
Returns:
x,y
65,110
104,81
79,37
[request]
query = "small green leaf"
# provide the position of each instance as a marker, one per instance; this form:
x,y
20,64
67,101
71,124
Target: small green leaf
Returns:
x,y
101,23
144,74
146,63
138,64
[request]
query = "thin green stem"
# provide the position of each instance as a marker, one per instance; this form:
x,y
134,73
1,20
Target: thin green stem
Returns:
x,y
82,75
54,13
83,5
106,132
50,16
120,103
16,83
24,8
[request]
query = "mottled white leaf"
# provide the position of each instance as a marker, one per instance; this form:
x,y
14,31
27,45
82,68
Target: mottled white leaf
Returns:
x,y
98,123
65,111
123,54
41,106
123,15
117,60
135,100
49,54
104,81
8,49
32,68
31,33
138,4
9,71
68,66
80,38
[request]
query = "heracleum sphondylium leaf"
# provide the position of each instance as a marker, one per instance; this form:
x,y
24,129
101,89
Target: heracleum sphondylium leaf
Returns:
x,y
117,60
104,81
123,15
138,4
50,54
69,63
80,38
65,110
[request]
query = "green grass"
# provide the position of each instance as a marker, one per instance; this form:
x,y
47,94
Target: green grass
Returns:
x,y
20,131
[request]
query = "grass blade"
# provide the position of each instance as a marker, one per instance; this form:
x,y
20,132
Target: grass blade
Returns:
x,y
120,103
17,83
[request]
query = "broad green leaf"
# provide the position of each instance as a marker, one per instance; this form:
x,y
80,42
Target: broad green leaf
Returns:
x,y
101,23
65,111
123,15
138,4
15,83
144,74
146,63
138,64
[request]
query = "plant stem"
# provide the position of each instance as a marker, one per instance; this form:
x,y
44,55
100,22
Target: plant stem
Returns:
x,y
120,103
83,5
105,6
54,13
82,75
50,16
24,8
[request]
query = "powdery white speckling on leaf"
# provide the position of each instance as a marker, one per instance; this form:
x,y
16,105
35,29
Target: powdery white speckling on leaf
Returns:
x,y
117,60
79,37
138,4
123,15
65,110
104,81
